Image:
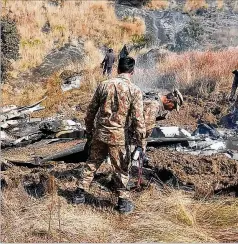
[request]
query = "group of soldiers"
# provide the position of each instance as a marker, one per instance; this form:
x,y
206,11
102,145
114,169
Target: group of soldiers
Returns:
x,y
118,112
119,115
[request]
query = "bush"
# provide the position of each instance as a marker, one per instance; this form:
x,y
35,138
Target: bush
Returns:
x,y
10,40
140,41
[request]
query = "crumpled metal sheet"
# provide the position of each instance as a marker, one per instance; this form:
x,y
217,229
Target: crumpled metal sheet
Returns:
x,y
170,131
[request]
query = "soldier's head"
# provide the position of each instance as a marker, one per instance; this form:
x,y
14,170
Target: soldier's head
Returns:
x,y
172,100
126,65
235,72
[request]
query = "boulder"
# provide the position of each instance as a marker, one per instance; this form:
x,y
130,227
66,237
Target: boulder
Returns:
x,y
60,58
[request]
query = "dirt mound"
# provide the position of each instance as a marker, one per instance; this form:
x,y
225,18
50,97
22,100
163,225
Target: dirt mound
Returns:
x,y
205,174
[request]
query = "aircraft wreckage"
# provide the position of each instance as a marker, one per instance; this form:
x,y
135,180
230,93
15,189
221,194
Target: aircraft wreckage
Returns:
x,y
36,142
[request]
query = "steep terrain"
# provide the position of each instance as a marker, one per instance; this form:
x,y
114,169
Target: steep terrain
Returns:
x,y
178,29
190,44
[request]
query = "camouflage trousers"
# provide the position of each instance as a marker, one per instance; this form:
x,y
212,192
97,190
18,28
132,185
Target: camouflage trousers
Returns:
x,y
119,162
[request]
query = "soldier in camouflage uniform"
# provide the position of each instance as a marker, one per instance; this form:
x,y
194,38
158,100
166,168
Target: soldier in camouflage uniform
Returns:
x,y
116,104
157,107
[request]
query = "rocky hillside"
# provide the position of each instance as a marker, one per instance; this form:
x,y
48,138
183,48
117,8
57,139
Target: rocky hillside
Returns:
x,y
174,43
184,25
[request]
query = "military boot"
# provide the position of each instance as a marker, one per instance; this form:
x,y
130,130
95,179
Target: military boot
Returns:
x,y
124,206
79,196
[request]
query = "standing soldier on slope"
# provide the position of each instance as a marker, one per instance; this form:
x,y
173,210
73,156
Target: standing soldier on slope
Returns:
x,y
108,62
117,103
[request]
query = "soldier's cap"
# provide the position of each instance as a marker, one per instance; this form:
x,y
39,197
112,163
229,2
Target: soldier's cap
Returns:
x,y
235,72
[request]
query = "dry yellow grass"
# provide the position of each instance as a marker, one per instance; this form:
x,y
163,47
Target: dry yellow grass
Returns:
x,y
220,4
166,216
158,4
191,5
93,20
201,69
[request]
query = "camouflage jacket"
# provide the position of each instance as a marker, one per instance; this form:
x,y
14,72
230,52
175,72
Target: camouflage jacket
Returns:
x,y
116,105
153,110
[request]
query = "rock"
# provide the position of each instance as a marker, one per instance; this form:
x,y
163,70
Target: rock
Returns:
x,y
35,184
161,26
46,28
133,3
181,31
70,80
60,58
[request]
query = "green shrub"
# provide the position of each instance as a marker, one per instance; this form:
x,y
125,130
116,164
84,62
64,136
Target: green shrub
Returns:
x,y
140,41
10,40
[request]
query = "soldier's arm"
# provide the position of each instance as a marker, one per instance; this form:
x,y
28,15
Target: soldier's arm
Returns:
x,y
138,121
105,59
92,111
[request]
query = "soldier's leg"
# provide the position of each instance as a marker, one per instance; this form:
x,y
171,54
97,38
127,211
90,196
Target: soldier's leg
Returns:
x,y
104,69
98,153
119,158
109,71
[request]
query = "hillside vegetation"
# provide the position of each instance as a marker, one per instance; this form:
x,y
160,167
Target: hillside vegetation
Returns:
x,y
201,73
91,20
161,215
